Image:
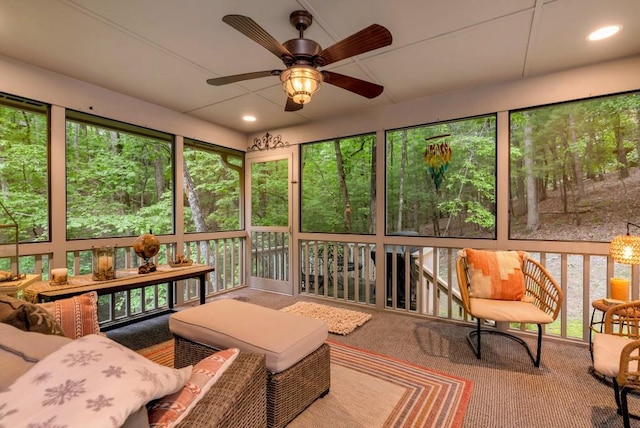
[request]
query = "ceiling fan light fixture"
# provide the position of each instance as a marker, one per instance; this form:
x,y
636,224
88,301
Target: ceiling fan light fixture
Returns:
x,y
300,82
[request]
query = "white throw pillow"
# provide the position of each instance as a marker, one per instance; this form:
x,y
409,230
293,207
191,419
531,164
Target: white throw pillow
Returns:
x,y
92,381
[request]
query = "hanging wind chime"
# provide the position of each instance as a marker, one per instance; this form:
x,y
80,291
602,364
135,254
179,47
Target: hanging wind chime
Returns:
x,y
437,157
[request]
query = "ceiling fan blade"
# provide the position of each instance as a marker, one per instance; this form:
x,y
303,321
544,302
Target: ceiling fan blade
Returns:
x,y
357,86
218,81
292,106
373,37
251,29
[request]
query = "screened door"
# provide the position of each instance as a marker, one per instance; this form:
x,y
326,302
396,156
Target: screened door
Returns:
x,y
269,223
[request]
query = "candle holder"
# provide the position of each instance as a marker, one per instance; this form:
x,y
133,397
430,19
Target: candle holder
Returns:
x,y
59,276
619,289
104,263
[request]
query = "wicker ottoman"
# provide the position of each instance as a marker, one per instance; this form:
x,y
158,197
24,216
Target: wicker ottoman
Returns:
x,y
297,357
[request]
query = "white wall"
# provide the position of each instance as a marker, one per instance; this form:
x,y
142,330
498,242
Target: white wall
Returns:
x,y
600,79
27,81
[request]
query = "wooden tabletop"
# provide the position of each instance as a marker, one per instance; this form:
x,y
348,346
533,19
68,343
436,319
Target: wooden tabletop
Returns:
x,y
125,279
13,287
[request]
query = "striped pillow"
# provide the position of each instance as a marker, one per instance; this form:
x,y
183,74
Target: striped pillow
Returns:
x,y
78,315
495,274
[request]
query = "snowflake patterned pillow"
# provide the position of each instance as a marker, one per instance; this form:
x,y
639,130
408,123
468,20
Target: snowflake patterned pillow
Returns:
x,y
92,381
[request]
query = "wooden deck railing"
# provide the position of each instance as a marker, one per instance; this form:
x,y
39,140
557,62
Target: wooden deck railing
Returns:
x,y
414,279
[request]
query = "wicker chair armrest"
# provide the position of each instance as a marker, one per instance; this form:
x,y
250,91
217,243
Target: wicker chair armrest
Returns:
x,y
542,287
237,399
628,374
623,320
463,282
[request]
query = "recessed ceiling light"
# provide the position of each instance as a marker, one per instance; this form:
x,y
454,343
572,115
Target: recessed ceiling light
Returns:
x,y
249,118
604,32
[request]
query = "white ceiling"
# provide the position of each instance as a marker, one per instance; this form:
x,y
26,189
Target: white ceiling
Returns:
x,y
162,51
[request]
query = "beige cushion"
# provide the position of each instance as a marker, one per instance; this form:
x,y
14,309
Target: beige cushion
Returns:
x,y
283,338
138,419
508,310
606,353
20,350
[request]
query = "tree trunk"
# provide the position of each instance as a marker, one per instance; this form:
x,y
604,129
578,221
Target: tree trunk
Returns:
x,y
564,191
532,194
159,178
519,206
638,127
372,189
623,166
194,203
403,163
577,163
343,186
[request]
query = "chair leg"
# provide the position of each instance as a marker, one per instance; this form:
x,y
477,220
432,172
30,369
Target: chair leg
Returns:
x,y
616,395
476,346
624,407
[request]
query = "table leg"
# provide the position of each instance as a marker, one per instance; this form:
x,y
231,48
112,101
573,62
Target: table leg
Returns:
x,y
171,287
203,287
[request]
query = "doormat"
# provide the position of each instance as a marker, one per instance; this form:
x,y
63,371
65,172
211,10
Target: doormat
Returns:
x,y
340,321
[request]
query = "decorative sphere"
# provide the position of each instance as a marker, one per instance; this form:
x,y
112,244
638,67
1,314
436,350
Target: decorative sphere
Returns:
x,y
146,246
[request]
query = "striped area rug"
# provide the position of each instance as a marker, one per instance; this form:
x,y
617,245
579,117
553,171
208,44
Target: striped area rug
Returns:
x,y
372,390
162,353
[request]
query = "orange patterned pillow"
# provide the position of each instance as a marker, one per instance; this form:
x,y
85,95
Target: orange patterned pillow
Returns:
x,y
172,409
78,315
495,274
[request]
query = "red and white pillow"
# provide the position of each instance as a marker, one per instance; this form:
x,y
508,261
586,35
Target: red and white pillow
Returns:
x,y
78,315
172,409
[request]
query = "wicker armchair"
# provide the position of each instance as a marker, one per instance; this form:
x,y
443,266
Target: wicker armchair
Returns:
x,y
541,305
616,352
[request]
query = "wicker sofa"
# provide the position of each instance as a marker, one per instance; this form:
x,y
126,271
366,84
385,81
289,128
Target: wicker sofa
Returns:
x,y
237,399
28,335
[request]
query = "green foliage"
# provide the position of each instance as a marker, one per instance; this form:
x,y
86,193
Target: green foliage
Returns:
x,y
325,207
118,184
121,184
23,171
216,183
467,194
270,193
571,143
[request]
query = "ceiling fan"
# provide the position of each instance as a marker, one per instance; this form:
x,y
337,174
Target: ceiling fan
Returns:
x,y
302,57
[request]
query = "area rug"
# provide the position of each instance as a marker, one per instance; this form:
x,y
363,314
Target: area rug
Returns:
x,y
340,321
370,390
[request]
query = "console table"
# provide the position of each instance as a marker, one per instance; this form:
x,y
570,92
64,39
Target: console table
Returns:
x,y
126,279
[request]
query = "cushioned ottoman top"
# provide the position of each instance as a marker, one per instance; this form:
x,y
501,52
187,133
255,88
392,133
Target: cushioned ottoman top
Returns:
x,y
283,338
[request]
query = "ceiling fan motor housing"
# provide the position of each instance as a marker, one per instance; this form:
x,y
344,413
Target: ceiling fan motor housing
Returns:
x,y
303,51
